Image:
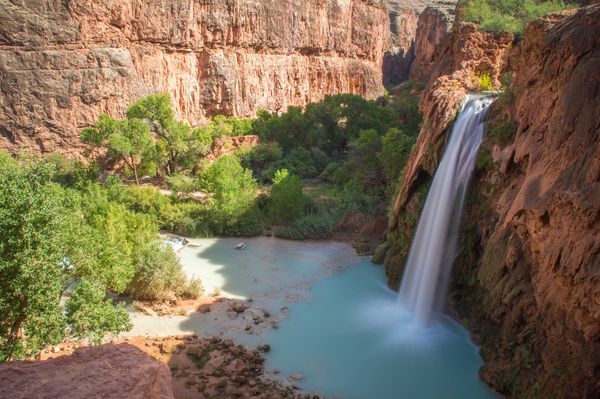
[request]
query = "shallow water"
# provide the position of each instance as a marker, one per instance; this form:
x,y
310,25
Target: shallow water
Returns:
x,y
351,339
342,329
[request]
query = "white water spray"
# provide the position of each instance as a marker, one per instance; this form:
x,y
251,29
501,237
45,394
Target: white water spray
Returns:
x,y
433,250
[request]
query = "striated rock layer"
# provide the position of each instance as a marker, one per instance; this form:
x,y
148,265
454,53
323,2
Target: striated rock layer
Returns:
x,y
527,277
64,63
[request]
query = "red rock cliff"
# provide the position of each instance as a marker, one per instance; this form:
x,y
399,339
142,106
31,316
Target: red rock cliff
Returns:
x,y
63,63
527,277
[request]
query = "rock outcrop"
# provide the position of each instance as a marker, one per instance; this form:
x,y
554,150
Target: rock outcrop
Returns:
x,y
527,277
433,29
404,22
107,371
64,63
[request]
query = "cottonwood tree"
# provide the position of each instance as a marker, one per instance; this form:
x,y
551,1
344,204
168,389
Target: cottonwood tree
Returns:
x,y
39,231
178,146
126,140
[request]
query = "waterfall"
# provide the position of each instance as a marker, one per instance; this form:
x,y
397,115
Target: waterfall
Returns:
x,y
433,250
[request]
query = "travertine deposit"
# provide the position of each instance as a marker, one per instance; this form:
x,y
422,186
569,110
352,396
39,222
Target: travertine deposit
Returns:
x,y
64,63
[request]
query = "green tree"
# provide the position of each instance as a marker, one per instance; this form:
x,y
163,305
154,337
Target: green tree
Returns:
x,y
40,233
396,147
287,200
177,144
90,314
234,201
126,140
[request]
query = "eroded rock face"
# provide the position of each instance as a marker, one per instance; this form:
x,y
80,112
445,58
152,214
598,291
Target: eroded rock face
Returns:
x,y
64,63
404,21
536,218
107,371
527,277
433,28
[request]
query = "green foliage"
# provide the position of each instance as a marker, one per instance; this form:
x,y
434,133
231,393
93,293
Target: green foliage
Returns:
x,y
484,82
317,225
233,206
287,200
71,173
258,157
33,223
159,275
396,147
46,243
221,125
502,132
507,15
90,315
186,218
126,140
181,183
327,125
177,146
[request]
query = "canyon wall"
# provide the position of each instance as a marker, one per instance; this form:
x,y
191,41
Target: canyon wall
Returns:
x,y
64,63
527,278
404,20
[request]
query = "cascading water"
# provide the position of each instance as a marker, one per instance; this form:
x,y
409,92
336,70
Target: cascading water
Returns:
x,y
433,249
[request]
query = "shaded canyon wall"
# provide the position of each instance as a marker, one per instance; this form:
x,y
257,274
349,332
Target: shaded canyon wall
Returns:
x,y
64,63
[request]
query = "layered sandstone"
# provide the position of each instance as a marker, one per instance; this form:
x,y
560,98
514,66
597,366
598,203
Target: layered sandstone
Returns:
x,y
527,277
64,63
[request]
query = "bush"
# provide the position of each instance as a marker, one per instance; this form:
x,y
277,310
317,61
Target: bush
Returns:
x,y
188,219
507,15
90,314
311,226
287,200
232,209
146,200
159,276
181,183
484,82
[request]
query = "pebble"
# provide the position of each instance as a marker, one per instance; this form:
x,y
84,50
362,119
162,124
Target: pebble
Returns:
x,y
296,377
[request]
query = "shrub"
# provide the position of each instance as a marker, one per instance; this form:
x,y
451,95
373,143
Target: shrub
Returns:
x,y
185,218
90,314
507,15
287,200
233,207
484,82
182,183
159,275
311,226
147,200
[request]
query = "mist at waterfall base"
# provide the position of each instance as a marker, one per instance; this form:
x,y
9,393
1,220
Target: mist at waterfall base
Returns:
x,y
351,339
424,284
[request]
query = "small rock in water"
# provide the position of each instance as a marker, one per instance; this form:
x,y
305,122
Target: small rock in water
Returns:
x,y
276,371
296,377
264,348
